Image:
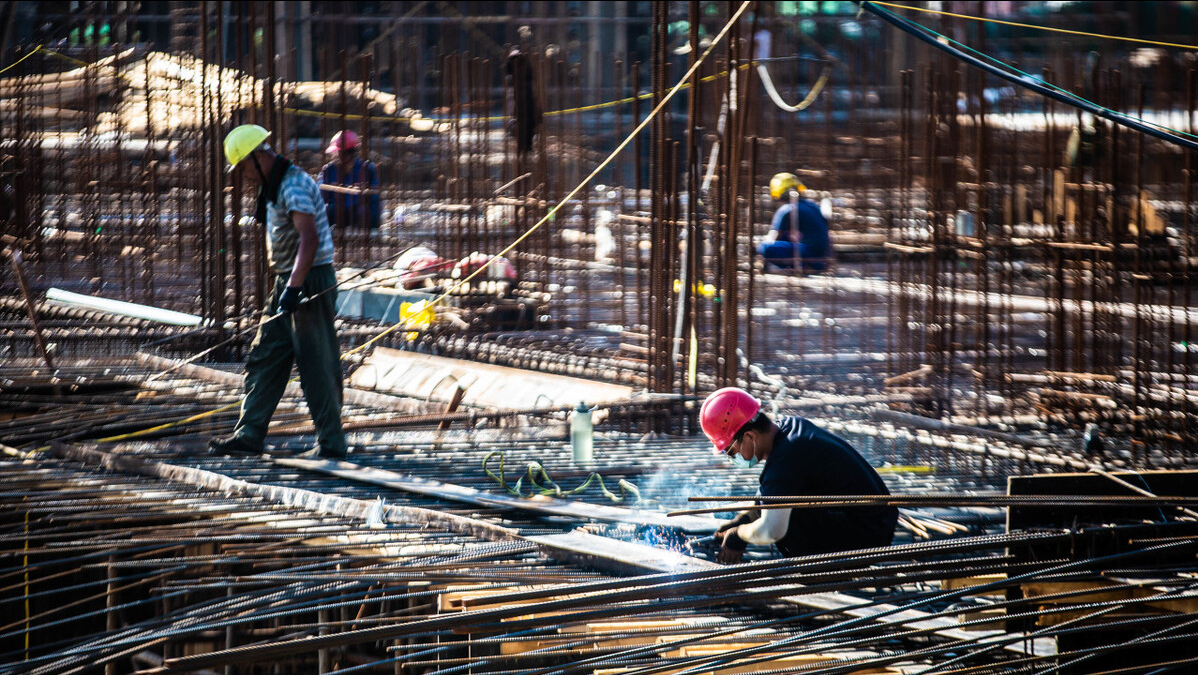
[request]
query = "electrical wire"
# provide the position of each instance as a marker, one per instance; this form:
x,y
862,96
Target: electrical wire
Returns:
x,y
942,43
1035,27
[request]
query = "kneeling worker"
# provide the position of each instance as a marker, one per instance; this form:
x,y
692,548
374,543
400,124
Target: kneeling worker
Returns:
x,y
798,236
801,460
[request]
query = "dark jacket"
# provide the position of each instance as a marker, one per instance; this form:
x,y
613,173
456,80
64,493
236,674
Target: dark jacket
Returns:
x,y
809,461
352,210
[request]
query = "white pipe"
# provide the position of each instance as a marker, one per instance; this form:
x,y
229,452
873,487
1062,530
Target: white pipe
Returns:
x,y
123,308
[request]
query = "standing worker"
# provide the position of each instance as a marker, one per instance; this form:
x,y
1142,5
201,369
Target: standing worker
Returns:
x,y
801,460
348,170
299,249
798,237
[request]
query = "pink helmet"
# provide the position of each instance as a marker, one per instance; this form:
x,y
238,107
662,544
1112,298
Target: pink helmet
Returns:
x,y
723,414
342,140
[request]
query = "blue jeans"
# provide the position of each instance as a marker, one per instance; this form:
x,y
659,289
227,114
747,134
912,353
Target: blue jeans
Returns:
x,y
782,254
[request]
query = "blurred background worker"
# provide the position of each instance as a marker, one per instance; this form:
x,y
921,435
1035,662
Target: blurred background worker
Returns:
x,y
798,237
801,460
349,207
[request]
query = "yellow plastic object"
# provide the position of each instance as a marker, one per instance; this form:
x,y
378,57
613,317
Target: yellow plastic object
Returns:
x,y
906,468
417,316
240,142
781,183
705,290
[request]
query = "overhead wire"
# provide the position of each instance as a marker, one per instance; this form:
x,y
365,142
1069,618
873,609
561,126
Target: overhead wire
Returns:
x,y
1027,81
985,19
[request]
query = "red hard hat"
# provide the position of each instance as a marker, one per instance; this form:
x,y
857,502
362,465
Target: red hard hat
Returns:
x,y
723,414
342,140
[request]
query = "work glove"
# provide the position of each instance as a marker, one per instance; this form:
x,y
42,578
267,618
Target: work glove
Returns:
x,y
740,519
290,299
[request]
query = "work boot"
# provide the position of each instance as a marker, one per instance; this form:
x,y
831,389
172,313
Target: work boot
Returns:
x,y
235,445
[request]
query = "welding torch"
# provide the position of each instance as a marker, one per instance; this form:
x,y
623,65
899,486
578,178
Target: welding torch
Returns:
x,y
699,542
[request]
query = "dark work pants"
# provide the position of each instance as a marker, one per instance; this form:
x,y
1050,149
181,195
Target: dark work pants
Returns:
x,y
308,339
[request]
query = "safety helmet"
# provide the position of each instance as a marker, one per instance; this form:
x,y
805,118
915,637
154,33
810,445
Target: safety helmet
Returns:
x,y
781,183
241,141
724,413
342,140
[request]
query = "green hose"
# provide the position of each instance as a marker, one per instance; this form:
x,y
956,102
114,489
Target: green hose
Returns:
x,y
540,484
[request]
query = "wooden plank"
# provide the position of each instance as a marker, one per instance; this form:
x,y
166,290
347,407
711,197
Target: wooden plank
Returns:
x,y
435,378
606,553
548,506
350,395
956,583
593,549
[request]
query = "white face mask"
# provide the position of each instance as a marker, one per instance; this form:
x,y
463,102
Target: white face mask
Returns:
x,y
742,463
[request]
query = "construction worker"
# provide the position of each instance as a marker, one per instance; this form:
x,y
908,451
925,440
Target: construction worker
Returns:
x,y
348,170
798,237
801,460
299,248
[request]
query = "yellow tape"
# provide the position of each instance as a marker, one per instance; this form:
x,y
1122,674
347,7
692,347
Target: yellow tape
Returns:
x,y
1033,26
501,118
907,468
168,425
64,57
18,61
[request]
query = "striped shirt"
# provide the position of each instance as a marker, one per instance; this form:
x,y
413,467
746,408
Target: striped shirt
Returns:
x,y
297,192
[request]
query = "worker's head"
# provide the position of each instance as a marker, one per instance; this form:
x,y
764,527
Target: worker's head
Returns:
x,y
782,183
243,142
343,145
726,417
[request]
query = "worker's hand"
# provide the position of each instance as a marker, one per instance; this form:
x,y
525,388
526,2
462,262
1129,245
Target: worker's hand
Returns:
x,y
290,299
728,556
732,547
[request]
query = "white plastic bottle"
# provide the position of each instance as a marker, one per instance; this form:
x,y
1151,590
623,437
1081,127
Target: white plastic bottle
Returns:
x,y
582,435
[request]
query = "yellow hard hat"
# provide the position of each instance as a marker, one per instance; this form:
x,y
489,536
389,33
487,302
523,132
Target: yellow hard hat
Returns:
x,y
242,141
781,183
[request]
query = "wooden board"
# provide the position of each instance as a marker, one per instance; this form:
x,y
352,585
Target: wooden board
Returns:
x,y
435,378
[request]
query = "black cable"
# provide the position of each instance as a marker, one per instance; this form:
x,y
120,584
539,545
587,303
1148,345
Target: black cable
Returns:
x,y
916,30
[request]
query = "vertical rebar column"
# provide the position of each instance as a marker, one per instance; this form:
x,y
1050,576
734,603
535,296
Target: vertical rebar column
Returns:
x,y
690,276
151,226
617,224
202,211
657,251
1141,369
213,165
112,620
1187,252
728,363
638,186
344,219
